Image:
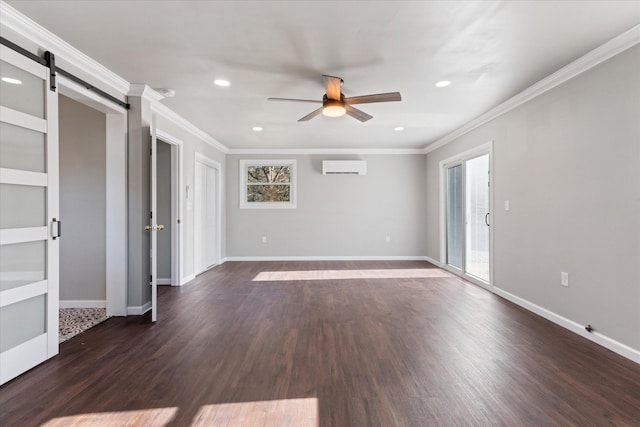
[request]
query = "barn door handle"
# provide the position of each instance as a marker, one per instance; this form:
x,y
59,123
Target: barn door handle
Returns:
x,y
58,225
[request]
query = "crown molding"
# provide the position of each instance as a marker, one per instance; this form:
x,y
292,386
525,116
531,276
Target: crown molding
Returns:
x,y
178,120
16,21
600,54
145,92
303,151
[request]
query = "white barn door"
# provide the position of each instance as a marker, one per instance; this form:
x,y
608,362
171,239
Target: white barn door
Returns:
x,y
29,215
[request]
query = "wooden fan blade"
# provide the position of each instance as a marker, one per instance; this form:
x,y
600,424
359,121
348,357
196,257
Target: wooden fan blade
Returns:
x,y
357,114
332,86
294,100
379,97
311,115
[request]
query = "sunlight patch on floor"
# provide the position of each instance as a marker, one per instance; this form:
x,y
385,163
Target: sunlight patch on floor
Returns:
x,y
144,417
413,273
270,413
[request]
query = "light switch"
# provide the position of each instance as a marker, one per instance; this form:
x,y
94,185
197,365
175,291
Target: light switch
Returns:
x,y
506,205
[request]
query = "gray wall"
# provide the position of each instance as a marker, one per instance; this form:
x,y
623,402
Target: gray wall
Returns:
x,y
569,162
164,209
336,215
82,201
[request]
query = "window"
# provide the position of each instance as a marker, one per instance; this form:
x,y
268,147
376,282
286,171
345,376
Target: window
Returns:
x,y
267,184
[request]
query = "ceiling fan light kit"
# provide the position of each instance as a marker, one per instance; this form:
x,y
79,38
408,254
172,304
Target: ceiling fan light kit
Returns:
x,y
333,108
334,104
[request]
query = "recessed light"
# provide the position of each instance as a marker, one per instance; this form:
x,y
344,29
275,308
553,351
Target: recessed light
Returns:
x,y
222,82
398,129
12,80
443,83
257,129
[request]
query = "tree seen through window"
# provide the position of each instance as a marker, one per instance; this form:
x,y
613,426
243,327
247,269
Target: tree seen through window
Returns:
x,y
268,183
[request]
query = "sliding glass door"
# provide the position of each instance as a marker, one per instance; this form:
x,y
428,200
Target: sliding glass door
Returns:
x,y
467,217
477,217
455,223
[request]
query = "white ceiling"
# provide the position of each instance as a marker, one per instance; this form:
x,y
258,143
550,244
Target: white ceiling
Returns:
x,y
490,50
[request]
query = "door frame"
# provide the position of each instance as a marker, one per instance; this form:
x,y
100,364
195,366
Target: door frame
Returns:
x,y
217,167
116,191
460,158
177,154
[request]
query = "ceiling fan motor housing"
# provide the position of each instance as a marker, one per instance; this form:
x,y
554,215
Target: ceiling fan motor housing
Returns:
x,y
334,104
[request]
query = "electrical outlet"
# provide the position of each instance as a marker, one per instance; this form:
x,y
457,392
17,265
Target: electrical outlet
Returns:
x,y
387,239
564,279
264,239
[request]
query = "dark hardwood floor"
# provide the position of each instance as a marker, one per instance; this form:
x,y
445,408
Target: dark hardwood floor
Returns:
x,y
331,348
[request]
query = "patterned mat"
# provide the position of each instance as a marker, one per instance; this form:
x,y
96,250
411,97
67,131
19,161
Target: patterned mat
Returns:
x,y
77,320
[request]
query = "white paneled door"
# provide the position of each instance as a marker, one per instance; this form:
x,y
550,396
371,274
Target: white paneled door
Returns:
x,y
205,216
29,216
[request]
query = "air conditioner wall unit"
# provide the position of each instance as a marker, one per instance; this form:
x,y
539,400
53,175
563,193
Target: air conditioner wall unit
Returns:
x,y
344,167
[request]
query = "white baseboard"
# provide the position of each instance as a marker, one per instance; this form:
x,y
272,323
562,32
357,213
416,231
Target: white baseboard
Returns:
x,y
598,338
71,303
187,279
138,310
433,261
326,258
163,281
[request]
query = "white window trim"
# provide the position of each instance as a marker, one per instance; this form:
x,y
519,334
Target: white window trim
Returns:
x,y
267,205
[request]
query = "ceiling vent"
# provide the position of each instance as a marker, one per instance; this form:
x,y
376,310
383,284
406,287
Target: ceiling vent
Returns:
x,y
344,167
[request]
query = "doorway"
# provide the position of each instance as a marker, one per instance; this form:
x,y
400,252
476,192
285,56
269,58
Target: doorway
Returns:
x,y
169,208
111,190
165,199
466,215
165,204
206,214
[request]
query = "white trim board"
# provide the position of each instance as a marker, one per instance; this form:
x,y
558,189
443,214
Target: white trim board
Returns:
x,y
163,281
145,92
433,261
187,279
73,90
168,138
302,151
83,303
600,54
138,310
327,258
596,337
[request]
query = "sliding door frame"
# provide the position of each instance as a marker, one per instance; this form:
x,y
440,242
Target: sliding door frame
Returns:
x,y
460,159
116,192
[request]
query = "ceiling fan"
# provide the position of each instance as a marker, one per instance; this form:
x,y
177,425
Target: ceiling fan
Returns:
x,y
334,104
